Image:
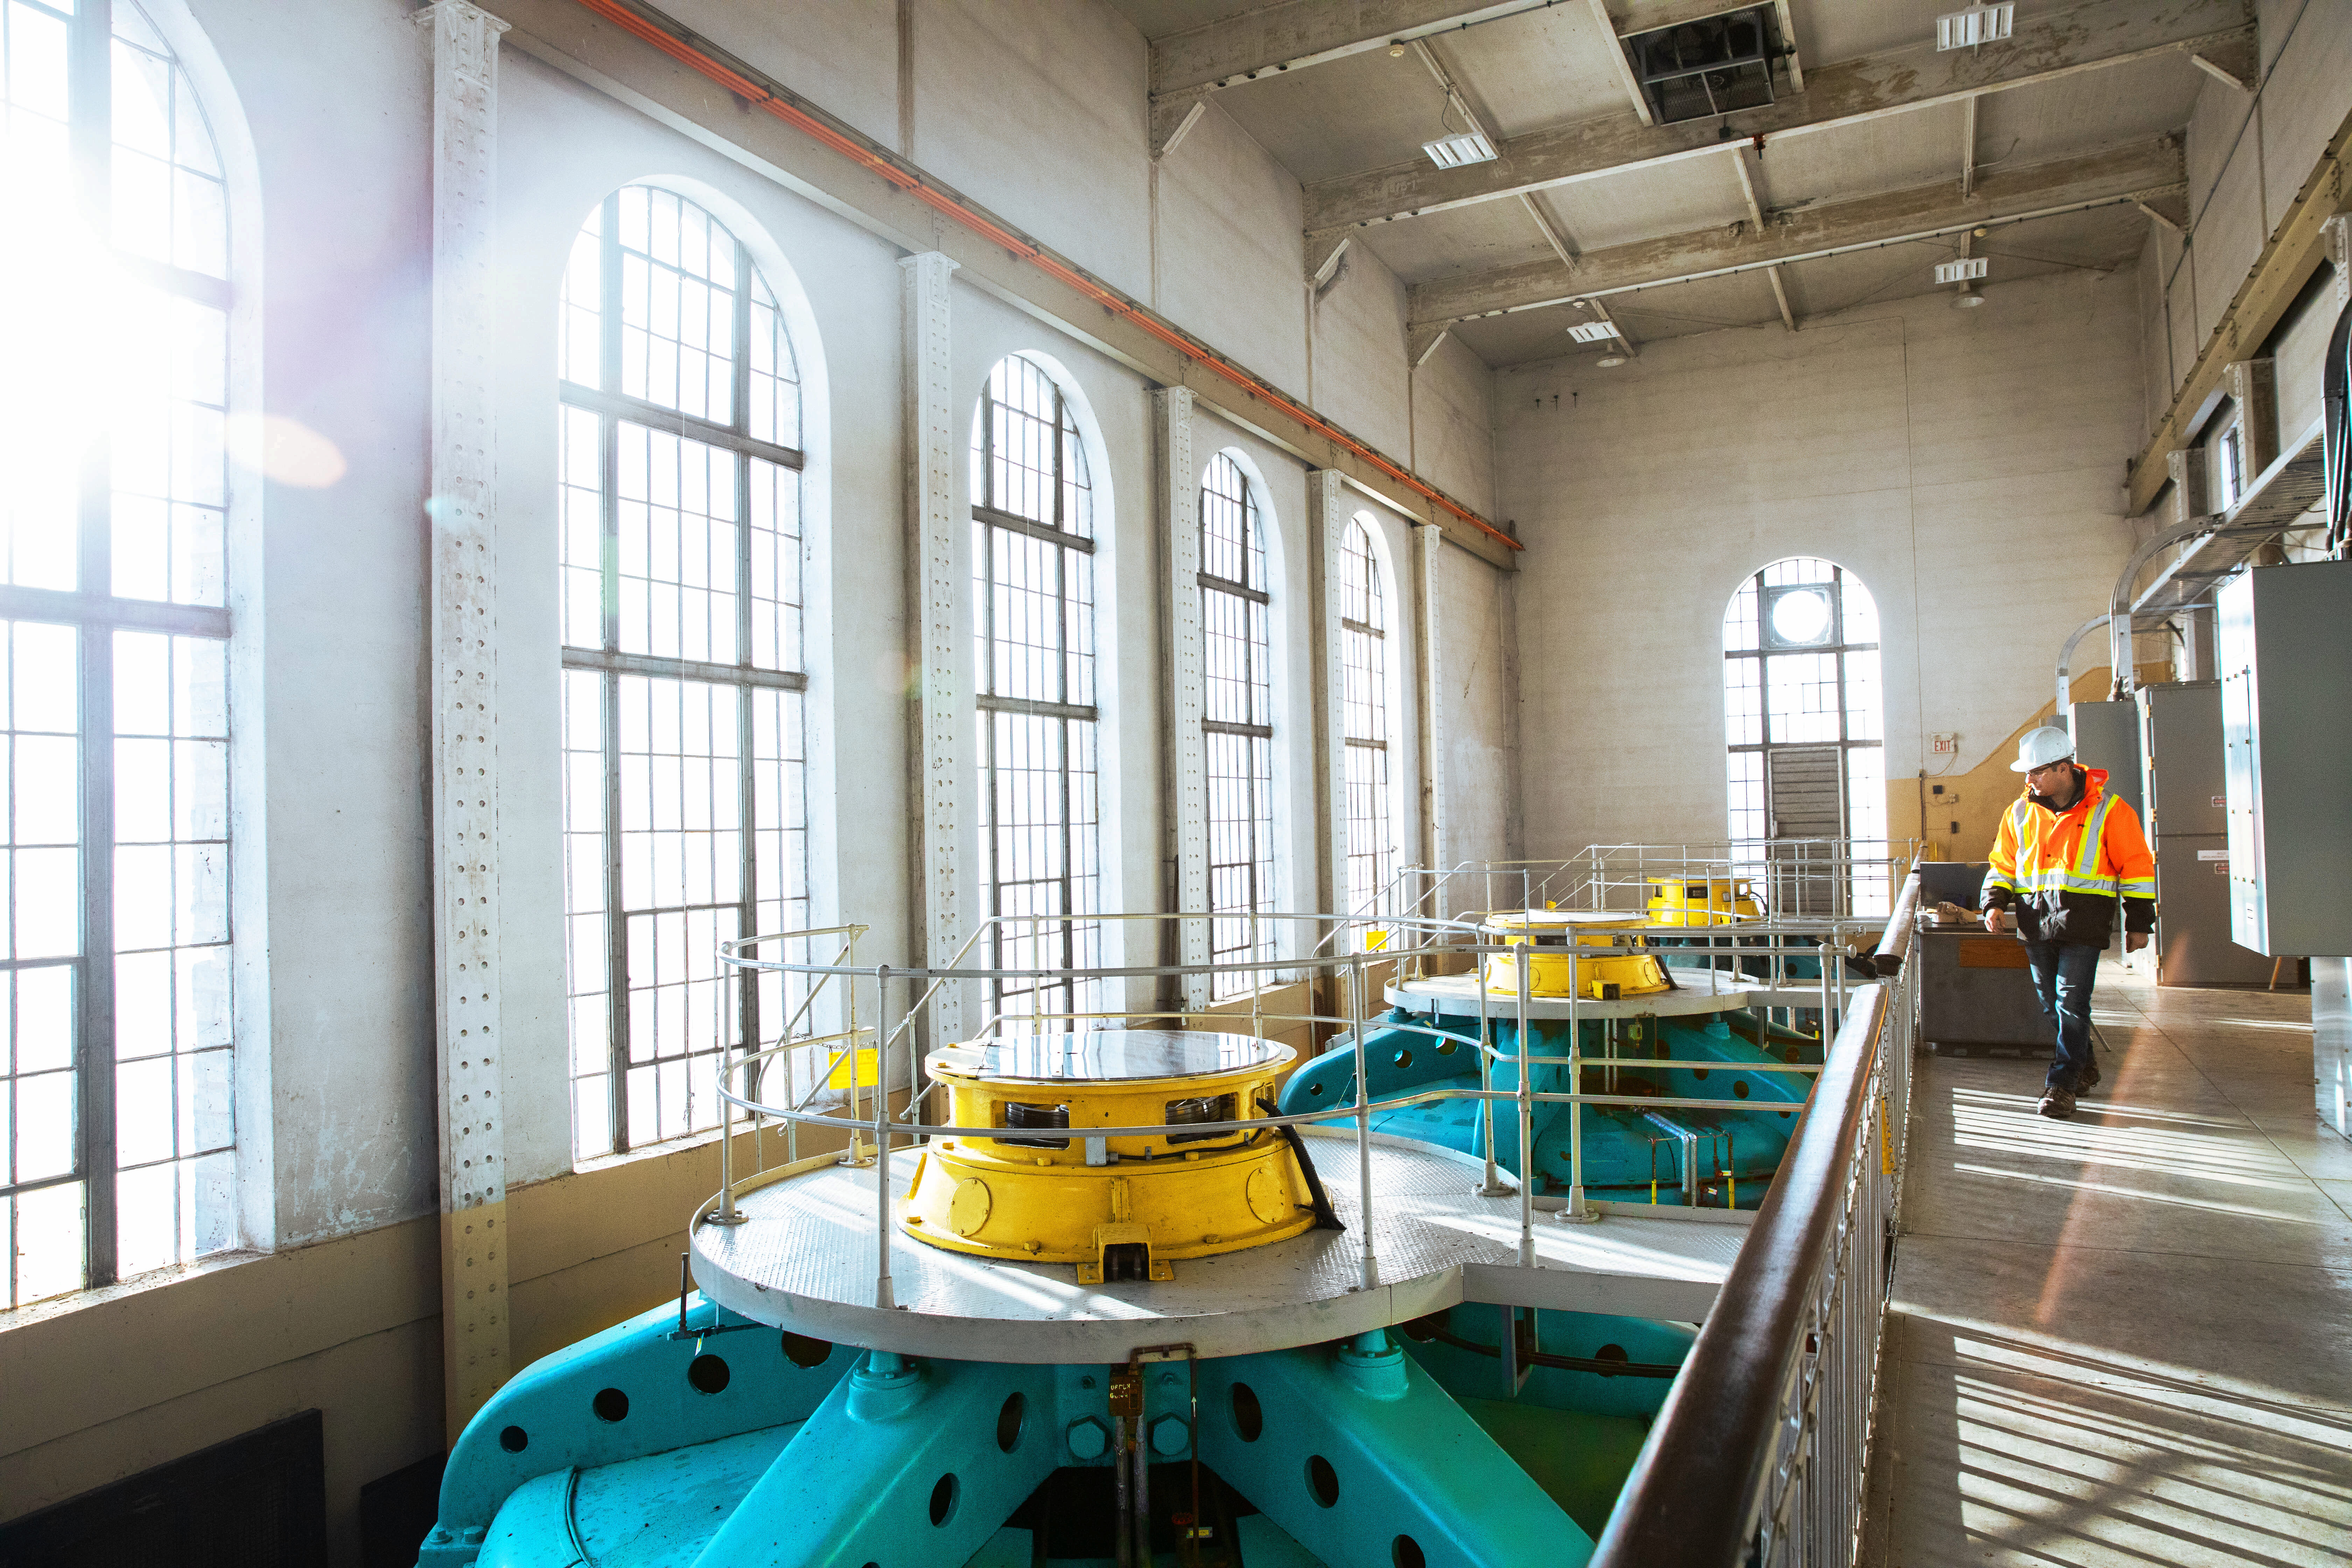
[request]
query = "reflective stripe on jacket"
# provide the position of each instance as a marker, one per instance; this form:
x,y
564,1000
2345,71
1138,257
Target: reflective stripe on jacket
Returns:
x,y
2093,850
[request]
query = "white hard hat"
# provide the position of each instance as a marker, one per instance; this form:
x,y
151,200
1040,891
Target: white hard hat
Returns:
x,y
2040,748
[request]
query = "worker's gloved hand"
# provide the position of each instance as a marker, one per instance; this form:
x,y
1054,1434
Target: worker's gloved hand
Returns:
x,y
1992,921
2133,941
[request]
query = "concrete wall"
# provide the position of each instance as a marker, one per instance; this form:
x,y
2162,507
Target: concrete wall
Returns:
x,y
1037,112
1965,465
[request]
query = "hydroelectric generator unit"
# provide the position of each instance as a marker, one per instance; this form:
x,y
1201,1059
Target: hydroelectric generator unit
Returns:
x,y
1130,1295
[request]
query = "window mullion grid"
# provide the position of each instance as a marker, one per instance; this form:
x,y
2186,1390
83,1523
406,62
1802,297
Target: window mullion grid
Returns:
x,y
96,989
91,122
984,685
1069,880
1061,727
1842,887
747,1002
617,923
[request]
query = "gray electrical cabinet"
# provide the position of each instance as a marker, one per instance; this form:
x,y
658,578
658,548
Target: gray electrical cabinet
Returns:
x,y
2107,735
2188,827
2285,640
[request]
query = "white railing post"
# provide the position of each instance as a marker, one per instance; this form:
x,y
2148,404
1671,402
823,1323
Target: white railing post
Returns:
x,y
883,1295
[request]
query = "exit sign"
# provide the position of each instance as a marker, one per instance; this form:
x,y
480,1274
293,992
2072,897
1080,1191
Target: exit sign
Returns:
x,y
1947,743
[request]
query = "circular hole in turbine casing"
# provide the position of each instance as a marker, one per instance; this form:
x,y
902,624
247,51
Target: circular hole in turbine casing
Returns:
x,y
1010,1417
1249,1418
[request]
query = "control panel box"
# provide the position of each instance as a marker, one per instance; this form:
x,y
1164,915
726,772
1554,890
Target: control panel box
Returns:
x,y
2188,819
2285,640
2107,735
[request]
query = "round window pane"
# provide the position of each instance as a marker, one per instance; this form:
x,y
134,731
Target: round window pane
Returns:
x,y
1800,618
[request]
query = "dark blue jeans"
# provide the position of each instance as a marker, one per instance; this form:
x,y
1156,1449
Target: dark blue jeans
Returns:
x,y
2063,973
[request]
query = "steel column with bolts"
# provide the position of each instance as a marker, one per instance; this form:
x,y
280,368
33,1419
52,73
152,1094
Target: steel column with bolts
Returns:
x,y
1428,544
934,533
1177,492
477,1354
1328,518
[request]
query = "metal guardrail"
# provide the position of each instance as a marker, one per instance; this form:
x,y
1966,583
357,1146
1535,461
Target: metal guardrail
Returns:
x,y
1759,1457
895,1091
1814,879
1759,1453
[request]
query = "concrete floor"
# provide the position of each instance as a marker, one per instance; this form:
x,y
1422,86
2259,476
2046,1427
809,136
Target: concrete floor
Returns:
x,y
2125,1339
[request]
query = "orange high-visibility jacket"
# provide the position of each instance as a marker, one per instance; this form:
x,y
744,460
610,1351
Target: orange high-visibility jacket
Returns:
x,y
2065,869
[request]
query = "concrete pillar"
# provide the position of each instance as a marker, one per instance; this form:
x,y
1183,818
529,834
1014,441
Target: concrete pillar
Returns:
x,y
1328,518
1176,496
936,584
475,1330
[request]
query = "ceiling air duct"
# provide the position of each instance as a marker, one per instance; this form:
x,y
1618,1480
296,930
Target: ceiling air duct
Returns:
x,y
1713,65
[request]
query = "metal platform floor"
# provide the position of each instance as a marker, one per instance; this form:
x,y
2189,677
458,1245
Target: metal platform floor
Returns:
x,y
2124,1338
805,1260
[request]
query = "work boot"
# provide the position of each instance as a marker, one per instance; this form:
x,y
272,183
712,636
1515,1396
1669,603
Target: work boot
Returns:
x,y
2057,1104
2090,1079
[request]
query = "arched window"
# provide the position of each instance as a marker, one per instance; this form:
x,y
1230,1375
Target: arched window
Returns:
x,y
685,775
116,1079
1801,712
1034,626
1364,707
1237,716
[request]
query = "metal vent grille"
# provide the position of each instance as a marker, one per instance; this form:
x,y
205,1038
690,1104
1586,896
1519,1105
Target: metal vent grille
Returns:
x,y
1711,66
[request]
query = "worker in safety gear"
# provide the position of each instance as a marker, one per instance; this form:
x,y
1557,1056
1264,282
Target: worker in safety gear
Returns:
x,y
2067,850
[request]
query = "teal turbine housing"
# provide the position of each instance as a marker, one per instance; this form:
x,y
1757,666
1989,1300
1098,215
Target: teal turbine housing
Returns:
x,y
1427,1383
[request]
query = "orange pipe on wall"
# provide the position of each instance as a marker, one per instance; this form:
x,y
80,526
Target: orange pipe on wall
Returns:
x,y
908,179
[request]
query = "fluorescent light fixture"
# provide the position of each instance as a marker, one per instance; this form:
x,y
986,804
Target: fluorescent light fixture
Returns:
x,y
1594,331
1976,24
1453,151
1961,271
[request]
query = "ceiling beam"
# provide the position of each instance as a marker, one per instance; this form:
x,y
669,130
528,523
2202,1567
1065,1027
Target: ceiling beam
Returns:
x,y
1623,66
1969,149
2294,252
1570,259
1293,34
1749,162
1854,92
1924,212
